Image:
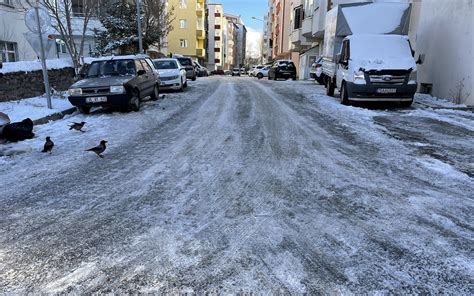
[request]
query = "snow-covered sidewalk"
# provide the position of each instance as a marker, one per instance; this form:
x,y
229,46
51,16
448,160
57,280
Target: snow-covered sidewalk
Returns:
x,y
34,108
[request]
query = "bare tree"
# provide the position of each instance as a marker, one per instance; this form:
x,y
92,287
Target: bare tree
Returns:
x,y
157,21
63,13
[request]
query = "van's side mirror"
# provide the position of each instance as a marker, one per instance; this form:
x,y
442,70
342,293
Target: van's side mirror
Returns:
x,y
338,58
421,59
141,72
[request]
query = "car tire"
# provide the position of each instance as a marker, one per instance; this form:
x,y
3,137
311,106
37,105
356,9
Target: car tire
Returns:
x,y
155,95
84,109
185,83
135,101
194,78
181,88
329,87
259,75
294,77
344,97
320,80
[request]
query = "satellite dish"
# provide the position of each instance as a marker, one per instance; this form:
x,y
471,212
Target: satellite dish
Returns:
x,y
32,23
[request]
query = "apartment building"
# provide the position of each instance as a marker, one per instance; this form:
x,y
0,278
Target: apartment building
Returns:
x,y
188,36
13,44
217,37
239,40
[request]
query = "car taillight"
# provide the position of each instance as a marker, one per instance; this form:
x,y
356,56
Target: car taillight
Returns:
x,y
318,65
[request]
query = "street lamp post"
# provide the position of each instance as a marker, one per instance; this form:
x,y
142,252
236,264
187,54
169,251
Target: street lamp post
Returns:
x,y
139,24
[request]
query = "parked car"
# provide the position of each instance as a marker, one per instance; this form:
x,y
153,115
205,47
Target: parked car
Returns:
x,y
316,71
200,70
189,65
243,71
282,69
172,74
116,81
262,72
236,72
253,71
218,72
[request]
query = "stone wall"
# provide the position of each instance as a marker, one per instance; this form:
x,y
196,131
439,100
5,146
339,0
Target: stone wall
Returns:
x,y
20,85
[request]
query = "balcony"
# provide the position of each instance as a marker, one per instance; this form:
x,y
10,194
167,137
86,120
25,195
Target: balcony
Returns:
x,y
298,41
307,28
318,24
199,12
200,52
200,34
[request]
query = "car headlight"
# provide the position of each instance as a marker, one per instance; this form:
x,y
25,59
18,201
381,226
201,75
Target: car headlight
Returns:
x,y
413,77
174,77
117,89
359,77
75,91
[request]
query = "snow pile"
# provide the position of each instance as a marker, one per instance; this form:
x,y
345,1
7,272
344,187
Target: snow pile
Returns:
x,y
374,52
28,66
34,108
375,18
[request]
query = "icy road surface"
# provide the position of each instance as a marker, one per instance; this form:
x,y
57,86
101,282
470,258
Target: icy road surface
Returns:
x,y
240,185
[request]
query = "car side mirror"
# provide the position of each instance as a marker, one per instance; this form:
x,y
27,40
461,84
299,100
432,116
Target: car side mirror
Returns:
x,y
141,72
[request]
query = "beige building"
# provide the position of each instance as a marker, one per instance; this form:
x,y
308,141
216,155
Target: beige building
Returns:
x,y
217,40
189,34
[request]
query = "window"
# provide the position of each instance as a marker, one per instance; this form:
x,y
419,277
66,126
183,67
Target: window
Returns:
x,y
200,24
138,66
77,7
298,17
61,47
8,51
217,27
146,66
183,42
183,4
7,2
183,24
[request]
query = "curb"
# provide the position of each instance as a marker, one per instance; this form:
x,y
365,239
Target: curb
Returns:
x,y
468,108
54,116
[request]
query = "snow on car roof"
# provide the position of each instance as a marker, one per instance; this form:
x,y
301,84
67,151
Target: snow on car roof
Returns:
x,y
122,57
375,18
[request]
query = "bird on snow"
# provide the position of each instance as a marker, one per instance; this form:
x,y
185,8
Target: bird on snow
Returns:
x,y
77,126
48,146
98,149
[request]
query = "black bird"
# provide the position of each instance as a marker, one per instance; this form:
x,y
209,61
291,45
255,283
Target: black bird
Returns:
x,y
48,146
77,126
99,149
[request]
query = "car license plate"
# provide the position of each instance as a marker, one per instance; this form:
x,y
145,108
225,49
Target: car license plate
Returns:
x,y
96,100
386,90
162,84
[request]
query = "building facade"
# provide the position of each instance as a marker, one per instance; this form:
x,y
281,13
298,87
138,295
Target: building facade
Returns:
x,y
217,37
14,45
238,39
188,37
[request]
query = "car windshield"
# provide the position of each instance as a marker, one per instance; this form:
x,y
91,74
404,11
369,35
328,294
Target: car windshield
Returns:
x,y
185,62
111,68
164,65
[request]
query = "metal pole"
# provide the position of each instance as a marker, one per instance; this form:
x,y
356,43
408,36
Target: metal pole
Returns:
x,y
139,24
43,60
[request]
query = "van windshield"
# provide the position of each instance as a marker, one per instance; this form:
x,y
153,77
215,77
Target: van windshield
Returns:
x,y
379,47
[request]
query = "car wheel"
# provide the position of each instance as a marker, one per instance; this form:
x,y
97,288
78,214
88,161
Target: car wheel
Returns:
x,y
294,77
181,87
135,101
320,80
185,83
156,93
194,78
259,75
329,87
84,110
344,95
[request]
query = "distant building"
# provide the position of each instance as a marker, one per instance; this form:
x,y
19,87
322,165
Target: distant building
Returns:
x,y
217,37
239,39
188,36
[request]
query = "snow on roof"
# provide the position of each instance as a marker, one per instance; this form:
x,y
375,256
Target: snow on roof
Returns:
x,y
28,66
373,51
375,18
123,57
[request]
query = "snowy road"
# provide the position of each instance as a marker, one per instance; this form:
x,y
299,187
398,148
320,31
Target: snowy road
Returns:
x,y
240,185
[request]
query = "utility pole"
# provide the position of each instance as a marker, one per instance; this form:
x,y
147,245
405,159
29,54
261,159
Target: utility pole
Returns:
x,y
43,59
139,24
